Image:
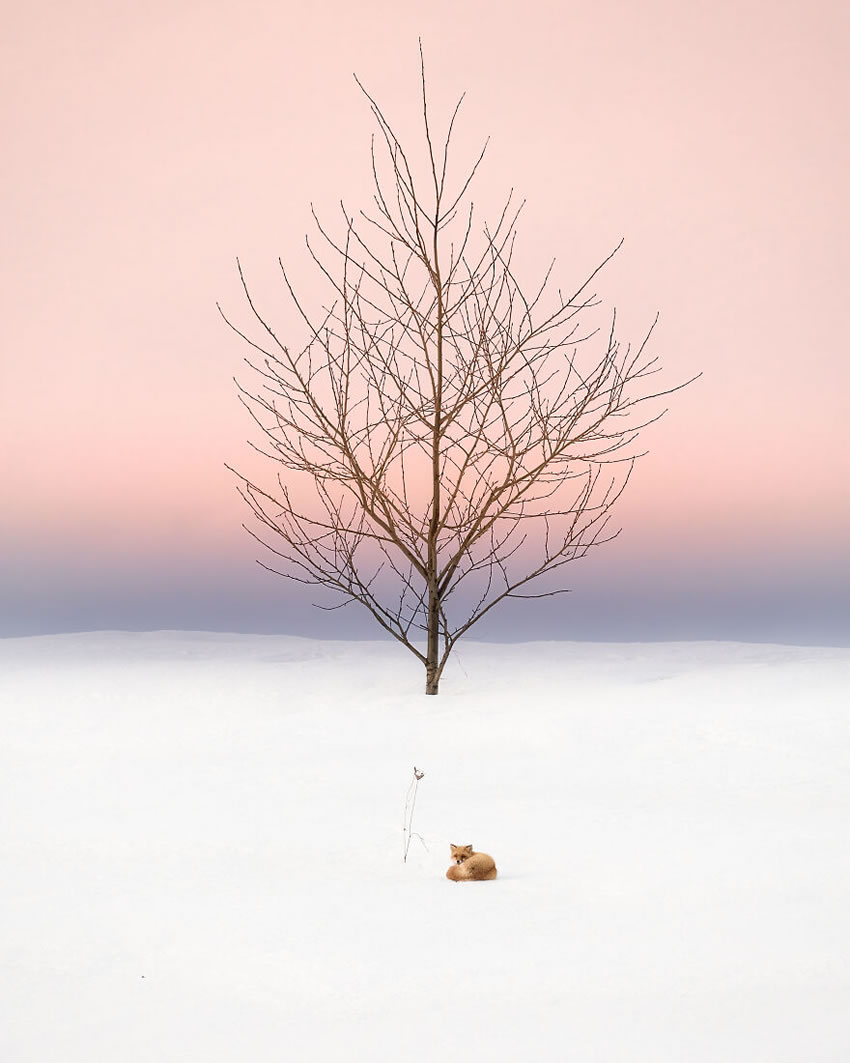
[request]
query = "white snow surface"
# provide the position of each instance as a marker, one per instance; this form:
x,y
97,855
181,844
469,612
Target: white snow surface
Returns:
x,y
201,852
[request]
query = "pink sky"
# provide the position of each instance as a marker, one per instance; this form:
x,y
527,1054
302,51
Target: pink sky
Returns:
x,y
147,145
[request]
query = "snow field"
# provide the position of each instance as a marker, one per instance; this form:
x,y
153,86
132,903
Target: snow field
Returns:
x,y
200,852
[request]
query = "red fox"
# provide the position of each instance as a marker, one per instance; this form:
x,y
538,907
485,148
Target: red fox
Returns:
x,y
467,866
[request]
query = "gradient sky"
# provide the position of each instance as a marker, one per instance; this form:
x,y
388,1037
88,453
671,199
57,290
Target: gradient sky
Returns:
x,y
147,145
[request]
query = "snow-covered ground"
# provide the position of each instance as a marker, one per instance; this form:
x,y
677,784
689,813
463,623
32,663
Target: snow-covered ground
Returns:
x,y
201,852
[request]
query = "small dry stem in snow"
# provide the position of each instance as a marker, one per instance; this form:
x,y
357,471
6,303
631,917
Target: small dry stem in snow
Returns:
x,y
409,806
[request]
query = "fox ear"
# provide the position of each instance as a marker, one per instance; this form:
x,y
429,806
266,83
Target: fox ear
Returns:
x,y
469,847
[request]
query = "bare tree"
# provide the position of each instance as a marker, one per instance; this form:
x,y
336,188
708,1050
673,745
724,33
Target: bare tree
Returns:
x,y
461,437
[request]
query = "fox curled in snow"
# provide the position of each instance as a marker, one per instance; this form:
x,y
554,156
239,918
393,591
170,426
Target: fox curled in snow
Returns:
x,y
467,866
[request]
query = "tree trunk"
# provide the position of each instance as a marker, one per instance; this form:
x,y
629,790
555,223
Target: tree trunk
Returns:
x,y
432,653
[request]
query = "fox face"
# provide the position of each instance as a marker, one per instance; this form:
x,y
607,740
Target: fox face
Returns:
x,y
460,853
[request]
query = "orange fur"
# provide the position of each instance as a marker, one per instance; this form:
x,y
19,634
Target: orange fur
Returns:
x,y
469,866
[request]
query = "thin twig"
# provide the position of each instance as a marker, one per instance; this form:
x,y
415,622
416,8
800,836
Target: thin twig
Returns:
x,y
409,806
